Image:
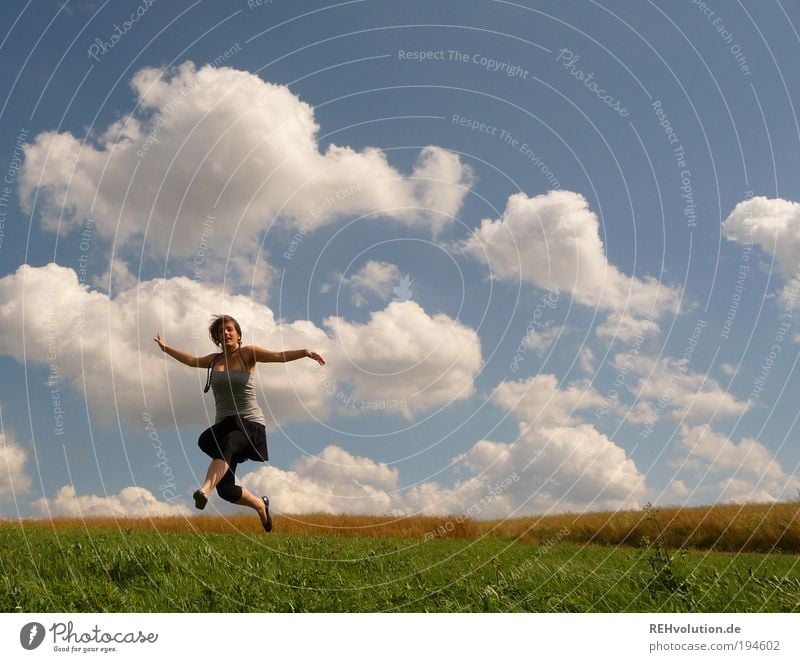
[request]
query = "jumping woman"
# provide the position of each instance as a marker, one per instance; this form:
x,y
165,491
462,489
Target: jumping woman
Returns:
x,y
239,431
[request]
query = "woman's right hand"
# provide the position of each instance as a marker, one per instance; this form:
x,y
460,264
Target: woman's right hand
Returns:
x,y
160,342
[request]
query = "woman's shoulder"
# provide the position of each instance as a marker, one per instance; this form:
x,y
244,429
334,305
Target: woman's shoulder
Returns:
x,y
248,354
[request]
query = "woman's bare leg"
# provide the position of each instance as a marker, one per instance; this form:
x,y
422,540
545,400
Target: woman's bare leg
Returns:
x,y
253,502
216,470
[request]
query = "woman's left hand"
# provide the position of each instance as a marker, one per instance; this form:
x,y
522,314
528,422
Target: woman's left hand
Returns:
x,y
315,356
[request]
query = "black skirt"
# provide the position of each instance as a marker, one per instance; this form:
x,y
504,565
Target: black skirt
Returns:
x,y
218,442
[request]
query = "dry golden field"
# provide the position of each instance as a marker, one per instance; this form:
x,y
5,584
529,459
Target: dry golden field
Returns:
x,y
773,527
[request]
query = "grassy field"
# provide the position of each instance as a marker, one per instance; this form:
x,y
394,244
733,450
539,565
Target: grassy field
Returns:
x,y
141,565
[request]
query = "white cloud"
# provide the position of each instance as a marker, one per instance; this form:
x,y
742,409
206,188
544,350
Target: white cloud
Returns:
x,y
333,482
676,493
771,223
540,341
338,482
626,328
335,463
13,478
540,400
375,279
747,490
561,469
547,469
707,447
442,182
640,413
130,502
224,143
669,385
564,463
747,470
404,354
553,241
774,225
587,360
117,278
104,346
556,464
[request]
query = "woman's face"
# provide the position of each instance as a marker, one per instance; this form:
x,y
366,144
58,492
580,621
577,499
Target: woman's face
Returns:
x,y
229,336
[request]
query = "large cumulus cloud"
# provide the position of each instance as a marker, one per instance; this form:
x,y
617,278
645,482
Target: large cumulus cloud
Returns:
x,y
667,386
557,463
404,355
771,223
539,399
730,471
223,143
130,502
553,241
103,347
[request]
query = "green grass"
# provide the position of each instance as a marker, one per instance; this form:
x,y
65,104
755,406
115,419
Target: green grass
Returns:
x,y
97,570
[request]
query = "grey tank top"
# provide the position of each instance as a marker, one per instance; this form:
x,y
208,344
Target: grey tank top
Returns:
x,y
235,394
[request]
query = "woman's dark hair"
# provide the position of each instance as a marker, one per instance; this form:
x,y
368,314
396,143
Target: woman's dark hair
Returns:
x,y
215,328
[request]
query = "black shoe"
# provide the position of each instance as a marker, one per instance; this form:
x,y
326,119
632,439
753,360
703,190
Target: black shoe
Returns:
x,y
267,524
200,500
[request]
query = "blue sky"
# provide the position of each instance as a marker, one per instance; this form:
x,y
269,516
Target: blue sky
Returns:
x,y
549,252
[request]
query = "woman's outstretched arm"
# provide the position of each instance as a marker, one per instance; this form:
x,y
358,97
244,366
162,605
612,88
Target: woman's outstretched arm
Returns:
x,y
261,355
183,357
